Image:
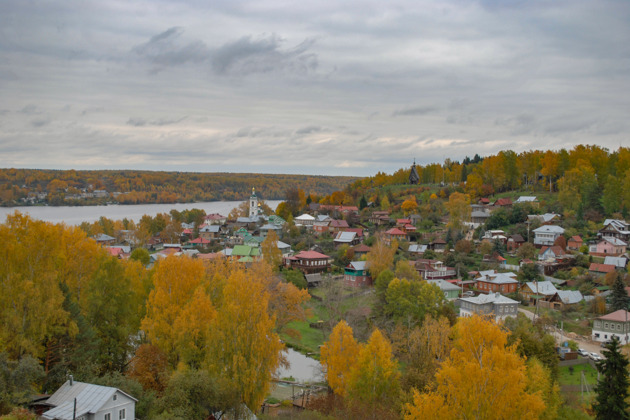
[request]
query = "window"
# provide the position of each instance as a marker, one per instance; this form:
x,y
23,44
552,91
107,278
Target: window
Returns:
x,y
606,325
121,414
107,417
115,396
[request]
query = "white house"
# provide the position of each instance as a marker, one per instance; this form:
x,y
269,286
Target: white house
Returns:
x,y
304,220
547,235
614,324
93,402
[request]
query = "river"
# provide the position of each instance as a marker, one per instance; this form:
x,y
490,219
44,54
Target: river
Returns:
x,y
301,368
75,215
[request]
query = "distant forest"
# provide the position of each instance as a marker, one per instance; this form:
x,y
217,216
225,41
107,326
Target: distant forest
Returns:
x,y
71,187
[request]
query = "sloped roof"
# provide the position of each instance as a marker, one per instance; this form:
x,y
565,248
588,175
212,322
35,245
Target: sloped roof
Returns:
x,y
569,297
101,237
576,238
619,262
614,241
546,288
444,285
199,240
417,248
396,231
601,268
310,255
304,217
90,399
549,229
492,297
361,248
345,237
619,315
358,265
338,223
503,202
210,229
526,199
242,250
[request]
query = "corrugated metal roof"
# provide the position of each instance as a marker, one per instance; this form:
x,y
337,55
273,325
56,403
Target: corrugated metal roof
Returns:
x,y
90,399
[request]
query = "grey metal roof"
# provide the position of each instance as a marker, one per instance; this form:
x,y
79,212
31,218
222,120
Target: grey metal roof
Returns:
x,y
491,298
546,288
210,228
359,265
444,285
619,262
614,241
103,237
417,248
90,399
569,297
526,199
345,237
549,229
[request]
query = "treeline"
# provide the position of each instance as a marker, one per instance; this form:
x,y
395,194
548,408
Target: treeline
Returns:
x,y
64,187
588,178
186,338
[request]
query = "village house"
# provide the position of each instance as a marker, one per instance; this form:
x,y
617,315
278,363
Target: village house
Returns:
x,y
514,242
478,217
598,269
546,235
394,234
494,235
210,232
620,262
417,249
215,219
494,304
434,269
346,238
451,291
575,243
356,274
308,262
437,245
615,324
490,281
336,226
543,290
502,203
545,219
608,245
92,402
304,220
320,225
614,228
379,218
104,240
567,298
360,250
551,253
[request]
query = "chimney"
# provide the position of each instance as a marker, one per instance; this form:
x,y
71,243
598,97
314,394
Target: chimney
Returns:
x,y
71,378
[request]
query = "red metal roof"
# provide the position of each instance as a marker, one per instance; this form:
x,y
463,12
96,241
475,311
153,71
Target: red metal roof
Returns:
x,y
601,268
503,202
199,241
310,255
396,232
619,315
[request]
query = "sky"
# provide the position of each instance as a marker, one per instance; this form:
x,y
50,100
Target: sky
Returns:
x,y
309,87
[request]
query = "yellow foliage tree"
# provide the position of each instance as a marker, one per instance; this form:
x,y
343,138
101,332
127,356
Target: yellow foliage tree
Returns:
x,y
244,351
374,378
381,257
483,378
338,356
270,251
458,207
539,381
175,281
409,206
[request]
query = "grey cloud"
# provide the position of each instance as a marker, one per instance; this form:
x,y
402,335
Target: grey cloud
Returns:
x,y
309,130
31,109
40,122
263,55
163,49
141,122
421,110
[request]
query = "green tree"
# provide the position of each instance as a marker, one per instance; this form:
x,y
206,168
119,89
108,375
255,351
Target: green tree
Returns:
x,y
295,277
18,381
612,195
612,388
410,300
619,295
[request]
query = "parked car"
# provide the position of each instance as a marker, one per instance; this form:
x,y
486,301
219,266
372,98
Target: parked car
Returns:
x,y
583,353
595,356
604,344
468,293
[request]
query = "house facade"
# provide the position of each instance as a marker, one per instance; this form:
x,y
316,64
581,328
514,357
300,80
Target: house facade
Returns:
x,y
492,282
494,305
546,235
451,291
356,274
615,324
308,262
434,269
608,245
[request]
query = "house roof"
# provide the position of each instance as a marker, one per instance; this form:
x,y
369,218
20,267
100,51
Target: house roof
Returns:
x,y
114,251
214,216
358,231
557,250
362,248
479,214
311,255
345,237
417,248
490,276
323,218
569,297
601,268
546,288
358,265
101,237
614,241
444,285
517,238
549,229
396,232
620,315
491,298
576,238
90,399
210,229
200,241
305,217
209,256
619,262
526,199
244,251
338,223
503,202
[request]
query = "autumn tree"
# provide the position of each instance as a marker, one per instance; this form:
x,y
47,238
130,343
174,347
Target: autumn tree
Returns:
x,y
381,257
149,367
270,251
409,206
458,207
410,301
481,364
374,379
338,356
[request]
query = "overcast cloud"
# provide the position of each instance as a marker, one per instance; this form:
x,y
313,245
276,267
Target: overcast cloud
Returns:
x,y
325,87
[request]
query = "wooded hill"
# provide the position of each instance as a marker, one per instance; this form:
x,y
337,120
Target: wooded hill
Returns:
x,y
70,187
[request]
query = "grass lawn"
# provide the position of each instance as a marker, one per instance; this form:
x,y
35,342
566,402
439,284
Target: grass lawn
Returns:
x,y
566,378
309,338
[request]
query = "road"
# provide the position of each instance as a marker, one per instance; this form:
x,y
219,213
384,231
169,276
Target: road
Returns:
x,y
588,345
